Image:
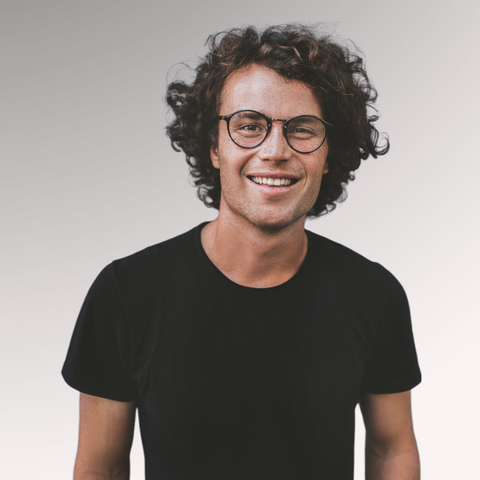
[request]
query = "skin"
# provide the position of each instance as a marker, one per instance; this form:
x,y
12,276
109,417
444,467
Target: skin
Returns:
x,y
269,251
390,448
105,439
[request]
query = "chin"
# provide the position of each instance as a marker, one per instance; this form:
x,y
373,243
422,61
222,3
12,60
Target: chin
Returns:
x,y
273,223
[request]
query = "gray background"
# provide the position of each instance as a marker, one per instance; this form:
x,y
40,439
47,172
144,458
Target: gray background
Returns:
x,y
87,176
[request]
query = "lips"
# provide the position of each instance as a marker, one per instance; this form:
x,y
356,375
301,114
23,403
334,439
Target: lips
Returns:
x,y
272,181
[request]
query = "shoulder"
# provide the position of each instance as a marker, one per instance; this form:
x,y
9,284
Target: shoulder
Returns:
x,y
139,281
161,255
349,265
151,269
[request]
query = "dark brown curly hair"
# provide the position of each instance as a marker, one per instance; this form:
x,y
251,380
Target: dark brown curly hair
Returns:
x,y
336,74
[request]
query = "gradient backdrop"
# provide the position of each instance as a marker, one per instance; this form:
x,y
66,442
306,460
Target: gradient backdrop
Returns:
x,y
88,176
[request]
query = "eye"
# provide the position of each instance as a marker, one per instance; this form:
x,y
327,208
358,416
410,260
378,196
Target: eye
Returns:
x,y
247,127
252,127
305,128
301,132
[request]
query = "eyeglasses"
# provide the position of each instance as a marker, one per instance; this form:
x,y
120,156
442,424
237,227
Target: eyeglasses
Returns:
x,y
248,129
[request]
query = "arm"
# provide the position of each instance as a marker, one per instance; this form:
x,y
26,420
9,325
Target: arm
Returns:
x,y
390,449
105,439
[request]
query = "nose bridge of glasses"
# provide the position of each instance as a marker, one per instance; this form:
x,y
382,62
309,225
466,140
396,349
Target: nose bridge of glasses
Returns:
x,y
283,127
276,138
271,120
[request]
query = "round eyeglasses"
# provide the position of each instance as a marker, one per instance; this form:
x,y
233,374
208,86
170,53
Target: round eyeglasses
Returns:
x,y
248,129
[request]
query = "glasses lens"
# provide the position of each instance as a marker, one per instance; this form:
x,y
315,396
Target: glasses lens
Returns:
x,y
305,133
248,128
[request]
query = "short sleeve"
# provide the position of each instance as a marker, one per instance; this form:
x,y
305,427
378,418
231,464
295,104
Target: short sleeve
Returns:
x,y
394,367
97,361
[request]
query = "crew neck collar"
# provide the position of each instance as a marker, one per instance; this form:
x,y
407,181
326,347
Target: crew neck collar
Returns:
x,y
224,280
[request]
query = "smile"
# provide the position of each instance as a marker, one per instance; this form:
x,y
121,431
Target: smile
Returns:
x,y
275,182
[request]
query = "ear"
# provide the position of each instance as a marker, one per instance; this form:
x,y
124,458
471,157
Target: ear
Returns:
x,y
214,157
325,166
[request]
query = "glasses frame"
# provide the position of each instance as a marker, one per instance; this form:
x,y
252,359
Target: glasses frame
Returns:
x,y
228,117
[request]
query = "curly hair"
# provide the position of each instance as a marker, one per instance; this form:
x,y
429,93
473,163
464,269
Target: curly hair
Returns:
x,y
338,79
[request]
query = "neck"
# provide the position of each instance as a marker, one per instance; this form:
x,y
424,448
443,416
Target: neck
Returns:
x,y
255,257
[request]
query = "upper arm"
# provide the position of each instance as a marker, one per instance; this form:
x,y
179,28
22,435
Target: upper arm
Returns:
x,y
105,438
388,420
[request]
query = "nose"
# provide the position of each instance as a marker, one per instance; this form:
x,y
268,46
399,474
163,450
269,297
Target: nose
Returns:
x,y
275,147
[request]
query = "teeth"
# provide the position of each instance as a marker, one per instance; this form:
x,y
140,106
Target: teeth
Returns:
x,y
272,181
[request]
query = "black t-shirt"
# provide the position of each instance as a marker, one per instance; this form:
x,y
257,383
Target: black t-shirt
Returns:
x,y
241,383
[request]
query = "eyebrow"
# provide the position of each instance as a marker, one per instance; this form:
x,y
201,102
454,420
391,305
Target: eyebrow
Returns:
x,y
307,118
249,114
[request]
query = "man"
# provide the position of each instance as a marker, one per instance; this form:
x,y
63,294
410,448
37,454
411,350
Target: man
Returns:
x,y
247,342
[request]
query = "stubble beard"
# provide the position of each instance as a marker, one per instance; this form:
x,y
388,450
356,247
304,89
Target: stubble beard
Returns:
x,y
283,218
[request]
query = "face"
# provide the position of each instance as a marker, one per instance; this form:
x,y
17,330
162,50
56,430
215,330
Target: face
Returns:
x,y
265,206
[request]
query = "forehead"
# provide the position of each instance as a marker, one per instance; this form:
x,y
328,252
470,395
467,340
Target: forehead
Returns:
x,y
260,88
